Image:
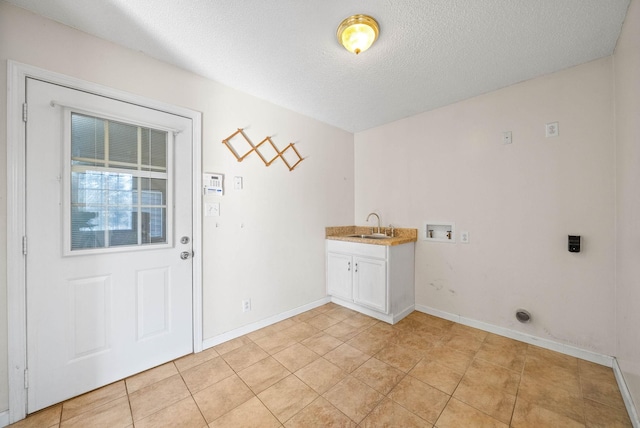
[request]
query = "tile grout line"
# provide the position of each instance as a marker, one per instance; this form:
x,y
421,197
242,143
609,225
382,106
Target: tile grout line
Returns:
x,y
524,364
458,385
189,389
323,357
248,387
255,395
126,389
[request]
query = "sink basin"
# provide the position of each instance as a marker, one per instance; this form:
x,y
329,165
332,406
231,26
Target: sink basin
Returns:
x,y
373,236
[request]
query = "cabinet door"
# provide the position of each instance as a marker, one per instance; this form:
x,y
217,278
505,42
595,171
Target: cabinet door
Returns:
x,y
339,271
370,283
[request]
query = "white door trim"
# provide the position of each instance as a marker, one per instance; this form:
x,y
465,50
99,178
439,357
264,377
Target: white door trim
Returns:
x,y
16,214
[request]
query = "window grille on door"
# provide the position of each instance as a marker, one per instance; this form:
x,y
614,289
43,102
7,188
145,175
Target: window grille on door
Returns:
x,y
119,184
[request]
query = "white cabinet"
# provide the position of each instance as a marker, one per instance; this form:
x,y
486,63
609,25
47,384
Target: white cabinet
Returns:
x,y
370,283
339,275
377,280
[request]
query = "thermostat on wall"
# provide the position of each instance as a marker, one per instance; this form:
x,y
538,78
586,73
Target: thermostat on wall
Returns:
x,y
212,183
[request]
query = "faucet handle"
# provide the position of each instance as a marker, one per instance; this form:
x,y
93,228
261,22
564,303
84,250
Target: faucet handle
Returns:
x,y
391,230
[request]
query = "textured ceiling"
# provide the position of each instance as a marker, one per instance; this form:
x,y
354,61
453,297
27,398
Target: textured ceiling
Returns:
x,y
430,53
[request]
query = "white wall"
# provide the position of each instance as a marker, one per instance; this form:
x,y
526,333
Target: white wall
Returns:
x,y
627,93
518,202
269,241
277,259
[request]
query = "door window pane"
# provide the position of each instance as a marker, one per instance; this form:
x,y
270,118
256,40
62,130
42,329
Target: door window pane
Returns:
x,y
154,149
122,226
153,196
114,201
85,227
87,139
123,145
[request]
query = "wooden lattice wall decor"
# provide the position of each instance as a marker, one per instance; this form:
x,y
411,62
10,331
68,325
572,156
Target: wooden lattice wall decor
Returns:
x,y
256,148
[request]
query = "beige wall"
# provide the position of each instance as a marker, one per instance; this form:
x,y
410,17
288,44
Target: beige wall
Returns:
x,y
277,258
518,202
627,93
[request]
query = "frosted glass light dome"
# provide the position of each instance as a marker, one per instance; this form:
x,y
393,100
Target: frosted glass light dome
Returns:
x,y
357,33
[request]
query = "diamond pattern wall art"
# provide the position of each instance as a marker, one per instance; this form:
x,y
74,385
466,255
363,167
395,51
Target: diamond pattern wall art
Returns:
x,y
267,152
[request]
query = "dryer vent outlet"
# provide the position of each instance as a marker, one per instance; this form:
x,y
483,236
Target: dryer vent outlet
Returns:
x,y
523,316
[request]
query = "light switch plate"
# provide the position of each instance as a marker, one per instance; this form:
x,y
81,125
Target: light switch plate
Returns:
x,y
237,183
552,129
212,209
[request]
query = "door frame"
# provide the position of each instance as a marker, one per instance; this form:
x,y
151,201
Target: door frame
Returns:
x,y
17,73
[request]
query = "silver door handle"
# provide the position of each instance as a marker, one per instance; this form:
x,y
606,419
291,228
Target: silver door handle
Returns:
x,y
185,255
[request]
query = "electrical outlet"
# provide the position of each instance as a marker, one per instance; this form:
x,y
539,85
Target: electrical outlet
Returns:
x,y
506,137
246,305
464,237
552,129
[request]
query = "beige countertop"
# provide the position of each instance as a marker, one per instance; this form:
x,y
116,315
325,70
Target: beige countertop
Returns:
x,y
400,235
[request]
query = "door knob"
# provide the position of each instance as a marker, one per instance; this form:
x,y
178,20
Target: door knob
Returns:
x,y
185,255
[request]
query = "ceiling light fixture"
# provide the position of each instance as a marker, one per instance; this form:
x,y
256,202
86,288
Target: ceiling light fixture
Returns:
x,y
357,33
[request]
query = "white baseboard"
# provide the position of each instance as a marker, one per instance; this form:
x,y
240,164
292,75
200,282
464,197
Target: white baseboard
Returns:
x,y
400,315
370,312
390,318
4,418
241,331
626,395
594,357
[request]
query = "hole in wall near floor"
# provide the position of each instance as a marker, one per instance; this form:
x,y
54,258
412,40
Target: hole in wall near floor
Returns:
x,y
523,315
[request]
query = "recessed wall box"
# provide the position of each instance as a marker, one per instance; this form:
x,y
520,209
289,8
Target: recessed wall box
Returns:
x,y
439,231
574,243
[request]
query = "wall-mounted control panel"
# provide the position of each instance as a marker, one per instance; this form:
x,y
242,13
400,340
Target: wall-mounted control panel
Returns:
x,y
212,184
574,243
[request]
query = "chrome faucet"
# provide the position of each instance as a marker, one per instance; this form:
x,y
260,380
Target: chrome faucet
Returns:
x,y
378,217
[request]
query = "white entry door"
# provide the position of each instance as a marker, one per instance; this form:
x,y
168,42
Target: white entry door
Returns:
x,y
108,249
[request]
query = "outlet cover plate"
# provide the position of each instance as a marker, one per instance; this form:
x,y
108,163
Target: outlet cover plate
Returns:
x,y
552,129
237,183
506,137
212,209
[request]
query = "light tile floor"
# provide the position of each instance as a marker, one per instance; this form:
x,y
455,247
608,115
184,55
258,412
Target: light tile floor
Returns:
x,y
333,367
